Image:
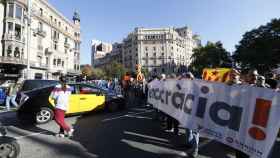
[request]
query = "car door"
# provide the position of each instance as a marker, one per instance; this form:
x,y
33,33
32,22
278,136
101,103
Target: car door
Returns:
x,y
90,98
74,100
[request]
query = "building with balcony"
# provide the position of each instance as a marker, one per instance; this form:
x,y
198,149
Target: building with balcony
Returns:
x,y
54,41
115,55
160,50
99,50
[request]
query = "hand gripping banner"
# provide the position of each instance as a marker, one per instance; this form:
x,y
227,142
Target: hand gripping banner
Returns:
x,y
241,116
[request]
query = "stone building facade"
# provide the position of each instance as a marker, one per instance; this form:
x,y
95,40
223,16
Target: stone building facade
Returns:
x,y
54,41
160,50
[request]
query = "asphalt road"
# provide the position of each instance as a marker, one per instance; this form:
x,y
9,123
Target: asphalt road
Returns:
x,y
131,133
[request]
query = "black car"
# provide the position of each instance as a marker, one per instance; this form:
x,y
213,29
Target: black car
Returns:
x,y
34,105
29,85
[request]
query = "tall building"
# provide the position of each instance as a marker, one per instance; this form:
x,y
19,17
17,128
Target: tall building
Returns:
x,y
160,50
54,41
104,53
99,50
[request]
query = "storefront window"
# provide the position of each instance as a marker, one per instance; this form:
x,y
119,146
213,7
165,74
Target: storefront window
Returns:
x,y
11,10
18,12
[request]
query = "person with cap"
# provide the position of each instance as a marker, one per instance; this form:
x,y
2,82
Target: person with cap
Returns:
x,y
60,95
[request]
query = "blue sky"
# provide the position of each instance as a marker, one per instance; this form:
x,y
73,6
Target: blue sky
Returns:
x,y
213,20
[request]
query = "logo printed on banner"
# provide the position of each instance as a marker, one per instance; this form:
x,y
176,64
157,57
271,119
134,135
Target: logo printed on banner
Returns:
x,y
229,139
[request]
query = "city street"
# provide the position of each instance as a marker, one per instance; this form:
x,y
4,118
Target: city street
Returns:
x,y
129,133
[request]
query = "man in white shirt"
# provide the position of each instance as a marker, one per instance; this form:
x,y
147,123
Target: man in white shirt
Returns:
x,y
60,95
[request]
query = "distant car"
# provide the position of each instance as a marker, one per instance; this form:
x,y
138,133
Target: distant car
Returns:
x,y
35,105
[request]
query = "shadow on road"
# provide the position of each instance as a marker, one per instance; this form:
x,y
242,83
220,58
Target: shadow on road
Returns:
x,y
137,136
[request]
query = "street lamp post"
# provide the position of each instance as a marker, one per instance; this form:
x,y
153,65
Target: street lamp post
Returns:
x,y
28,37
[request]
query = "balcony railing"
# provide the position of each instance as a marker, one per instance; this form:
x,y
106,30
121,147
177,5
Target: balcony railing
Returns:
x,y
49,51
38,65
12,60
72,71
12,37
41,32
48,21
66,45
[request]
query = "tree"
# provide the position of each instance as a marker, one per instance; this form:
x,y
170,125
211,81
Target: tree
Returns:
x,y
260,48
212,55
98,73
87,71
115,70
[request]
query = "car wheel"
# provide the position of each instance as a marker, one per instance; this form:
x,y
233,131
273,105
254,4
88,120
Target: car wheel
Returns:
x,y
44,115
9,147
112,107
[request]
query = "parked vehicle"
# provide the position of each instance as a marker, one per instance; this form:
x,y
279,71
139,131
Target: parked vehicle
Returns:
x,y
35,105
9,146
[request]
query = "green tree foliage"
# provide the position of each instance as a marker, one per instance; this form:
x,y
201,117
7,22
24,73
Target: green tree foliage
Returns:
x,y
98,73
87,71
260,48
212,55
115,70
145,72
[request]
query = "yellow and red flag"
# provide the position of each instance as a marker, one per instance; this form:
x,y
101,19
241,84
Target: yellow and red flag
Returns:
x,y
216,74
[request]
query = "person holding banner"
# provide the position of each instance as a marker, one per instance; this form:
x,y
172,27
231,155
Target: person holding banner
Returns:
x,y
192,137
234,77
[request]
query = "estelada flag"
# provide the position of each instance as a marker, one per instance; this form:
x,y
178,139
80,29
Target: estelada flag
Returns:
x,y
216,74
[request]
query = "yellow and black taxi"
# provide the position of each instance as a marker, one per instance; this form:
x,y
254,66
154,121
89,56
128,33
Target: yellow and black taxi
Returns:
x,y
36,105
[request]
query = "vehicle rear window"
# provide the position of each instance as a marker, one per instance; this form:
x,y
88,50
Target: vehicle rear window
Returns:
x,y
33,84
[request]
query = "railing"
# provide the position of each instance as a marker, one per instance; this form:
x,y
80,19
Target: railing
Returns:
x,y
49,50
38,65
67,45
73,71
13,60
48,21
12,37
41,32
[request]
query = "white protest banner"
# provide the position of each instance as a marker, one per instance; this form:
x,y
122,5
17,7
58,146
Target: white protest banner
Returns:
x,y
243,117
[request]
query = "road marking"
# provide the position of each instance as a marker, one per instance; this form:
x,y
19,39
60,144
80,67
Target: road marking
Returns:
x,y
127,115
29,135
139,117
146,136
